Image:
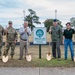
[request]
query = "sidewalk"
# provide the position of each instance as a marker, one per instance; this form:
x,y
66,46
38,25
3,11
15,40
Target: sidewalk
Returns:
x,y
37,71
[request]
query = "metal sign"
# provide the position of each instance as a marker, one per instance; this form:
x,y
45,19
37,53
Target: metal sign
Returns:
x,y
39,35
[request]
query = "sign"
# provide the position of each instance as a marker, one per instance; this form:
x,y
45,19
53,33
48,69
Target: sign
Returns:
x,y
39,35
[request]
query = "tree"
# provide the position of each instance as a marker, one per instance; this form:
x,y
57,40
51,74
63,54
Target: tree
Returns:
x,y
72,20
49,22
32,18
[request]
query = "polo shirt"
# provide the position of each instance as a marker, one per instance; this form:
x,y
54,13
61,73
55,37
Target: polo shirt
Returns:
x,y
68,34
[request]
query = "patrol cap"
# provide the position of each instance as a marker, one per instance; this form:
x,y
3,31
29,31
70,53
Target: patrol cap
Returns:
x,y
55,20
10,22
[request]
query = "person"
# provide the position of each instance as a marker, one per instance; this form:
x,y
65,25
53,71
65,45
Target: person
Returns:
x,y
25,32
68,34
1,38
56,36
11,39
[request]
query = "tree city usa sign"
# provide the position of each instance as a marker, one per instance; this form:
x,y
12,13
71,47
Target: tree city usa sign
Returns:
x,y
39,35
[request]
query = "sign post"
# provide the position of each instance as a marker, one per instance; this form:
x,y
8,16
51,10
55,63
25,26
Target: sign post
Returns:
x,y
39,37
39,51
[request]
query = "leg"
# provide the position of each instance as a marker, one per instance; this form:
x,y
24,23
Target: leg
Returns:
x,y
54,49
0,49
6,49
58,49
1,43
71,49
26,49
12,49
21,49
66,48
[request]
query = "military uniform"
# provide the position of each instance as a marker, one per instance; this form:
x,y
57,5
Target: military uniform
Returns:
x,y
11,36
56,39
1,37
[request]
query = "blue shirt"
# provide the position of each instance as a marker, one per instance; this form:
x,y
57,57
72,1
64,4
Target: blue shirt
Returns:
x,y
24,35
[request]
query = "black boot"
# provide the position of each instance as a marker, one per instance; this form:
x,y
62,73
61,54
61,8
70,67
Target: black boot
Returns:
x,y
12,57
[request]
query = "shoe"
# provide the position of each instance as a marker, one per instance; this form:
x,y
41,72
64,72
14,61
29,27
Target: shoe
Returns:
x,y
59,59
20,59
0,58
65,58
54,58
72,59
12,57
25,57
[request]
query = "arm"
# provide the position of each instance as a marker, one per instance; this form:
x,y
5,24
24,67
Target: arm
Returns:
x,y
29,31
50,30
16,35
2,31
60,34
21,31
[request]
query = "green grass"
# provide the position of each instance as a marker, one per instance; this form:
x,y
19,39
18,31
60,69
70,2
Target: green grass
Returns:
x,y
38,63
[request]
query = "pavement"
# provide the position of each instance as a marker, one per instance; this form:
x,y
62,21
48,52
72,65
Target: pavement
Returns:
x,y
36,71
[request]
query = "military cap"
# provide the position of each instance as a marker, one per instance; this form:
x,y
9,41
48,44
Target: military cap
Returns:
x,y
10,22
55,20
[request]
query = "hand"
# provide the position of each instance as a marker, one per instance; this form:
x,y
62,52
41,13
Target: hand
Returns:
x,y
15,41
26,30
5,31
62,41
49,31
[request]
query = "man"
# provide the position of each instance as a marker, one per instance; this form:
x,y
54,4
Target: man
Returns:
x,y
1,38
11,39
56,35
68,34
24,35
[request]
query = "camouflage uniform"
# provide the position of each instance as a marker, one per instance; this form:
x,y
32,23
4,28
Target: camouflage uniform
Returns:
x,y
56,39
1,37
11,36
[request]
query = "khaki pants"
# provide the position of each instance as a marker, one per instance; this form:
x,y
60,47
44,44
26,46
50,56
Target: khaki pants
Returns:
x,y
23,47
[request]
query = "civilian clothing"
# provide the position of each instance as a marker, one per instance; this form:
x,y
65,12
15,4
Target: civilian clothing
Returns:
x,y
24,35
68,33
24,40
23,48
68,42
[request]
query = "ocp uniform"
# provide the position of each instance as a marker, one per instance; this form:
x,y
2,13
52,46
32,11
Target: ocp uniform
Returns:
x,y
10,37
1,37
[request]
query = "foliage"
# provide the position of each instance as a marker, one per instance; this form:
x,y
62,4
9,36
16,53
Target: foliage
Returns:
x,y
32,18
49,22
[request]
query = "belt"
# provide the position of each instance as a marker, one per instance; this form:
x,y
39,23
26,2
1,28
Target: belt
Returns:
x,y
23,39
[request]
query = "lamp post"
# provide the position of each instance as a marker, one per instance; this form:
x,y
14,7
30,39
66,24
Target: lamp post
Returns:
x,y
55,14
24,14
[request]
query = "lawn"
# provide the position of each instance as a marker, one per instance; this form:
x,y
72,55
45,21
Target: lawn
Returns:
x,y
36,62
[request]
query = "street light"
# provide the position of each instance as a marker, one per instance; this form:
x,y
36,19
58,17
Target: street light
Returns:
x,y
55,14
24,14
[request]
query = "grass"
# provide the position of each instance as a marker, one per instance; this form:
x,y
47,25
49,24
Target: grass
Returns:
x,y
36,62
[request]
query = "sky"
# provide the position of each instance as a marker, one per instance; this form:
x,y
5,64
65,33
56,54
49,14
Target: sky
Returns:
x,y
45,9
